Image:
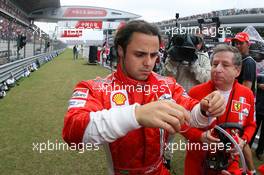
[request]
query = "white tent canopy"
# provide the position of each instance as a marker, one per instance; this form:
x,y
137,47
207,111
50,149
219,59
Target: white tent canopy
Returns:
x,y
253,34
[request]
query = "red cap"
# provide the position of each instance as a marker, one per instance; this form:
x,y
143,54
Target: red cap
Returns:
x,y
227,40
242,37
261,169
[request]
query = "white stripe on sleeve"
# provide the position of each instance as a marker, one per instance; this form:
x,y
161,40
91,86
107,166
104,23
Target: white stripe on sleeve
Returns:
x,y
109,125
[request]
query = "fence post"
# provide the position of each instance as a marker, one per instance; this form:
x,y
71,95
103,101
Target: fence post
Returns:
x,y
34,43
8,39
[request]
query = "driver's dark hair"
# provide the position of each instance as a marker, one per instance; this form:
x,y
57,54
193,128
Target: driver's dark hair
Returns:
x,y
124,34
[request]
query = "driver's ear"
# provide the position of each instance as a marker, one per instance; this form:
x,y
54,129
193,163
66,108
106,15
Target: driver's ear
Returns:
x,y
120,51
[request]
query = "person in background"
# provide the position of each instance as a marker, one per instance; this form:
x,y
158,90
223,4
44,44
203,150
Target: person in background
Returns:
x,y
112,57
247,77
260,112
75,52
192,72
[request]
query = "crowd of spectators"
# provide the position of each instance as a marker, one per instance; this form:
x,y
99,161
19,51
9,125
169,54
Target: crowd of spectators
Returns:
x,y
10,8
10,27
227,12
11,31
15,29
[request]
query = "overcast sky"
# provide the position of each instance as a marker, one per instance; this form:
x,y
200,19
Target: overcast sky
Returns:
x,y
158,10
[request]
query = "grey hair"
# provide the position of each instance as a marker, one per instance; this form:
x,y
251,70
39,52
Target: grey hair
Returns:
x,y
237,58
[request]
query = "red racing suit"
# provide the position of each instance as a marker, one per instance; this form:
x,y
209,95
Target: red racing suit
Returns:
x,y
240,108
131,149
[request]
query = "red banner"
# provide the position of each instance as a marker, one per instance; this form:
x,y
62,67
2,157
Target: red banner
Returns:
x,y
84,12
89,25
72,33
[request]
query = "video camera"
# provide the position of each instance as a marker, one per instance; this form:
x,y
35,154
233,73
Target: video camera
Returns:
x,y
184,47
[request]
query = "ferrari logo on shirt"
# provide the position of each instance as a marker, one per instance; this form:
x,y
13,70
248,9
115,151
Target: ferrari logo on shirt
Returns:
x,y
119,98
237,106
240,107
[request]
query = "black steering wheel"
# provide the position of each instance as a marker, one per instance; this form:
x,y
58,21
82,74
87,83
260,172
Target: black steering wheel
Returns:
x,y
219,160
229,125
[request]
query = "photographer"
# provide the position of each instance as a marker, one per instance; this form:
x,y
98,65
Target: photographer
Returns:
x,y
187,62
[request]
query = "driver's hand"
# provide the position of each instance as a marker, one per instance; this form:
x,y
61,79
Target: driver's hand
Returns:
x,y
208,138
241,144
162,114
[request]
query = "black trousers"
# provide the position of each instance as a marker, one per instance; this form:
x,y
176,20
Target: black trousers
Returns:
x,y
260,120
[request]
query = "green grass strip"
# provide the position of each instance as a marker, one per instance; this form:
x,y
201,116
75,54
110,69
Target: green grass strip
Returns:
x,y
33,112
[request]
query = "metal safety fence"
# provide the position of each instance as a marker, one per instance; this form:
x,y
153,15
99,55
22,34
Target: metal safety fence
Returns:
x,y
13,71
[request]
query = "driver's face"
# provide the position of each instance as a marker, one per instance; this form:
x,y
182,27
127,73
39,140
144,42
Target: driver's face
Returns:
x,y
141,55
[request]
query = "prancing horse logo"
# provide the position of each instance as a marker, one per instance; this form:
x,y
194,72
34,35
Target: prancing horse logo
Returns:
x,y
237,106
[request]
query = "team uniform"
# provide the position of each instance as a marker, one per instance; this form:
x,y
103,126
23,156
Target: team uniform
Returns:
x,y
101,111
240,109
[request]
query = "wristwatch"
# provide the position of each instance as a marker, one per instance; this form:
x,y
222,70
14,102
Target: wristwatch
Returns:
x,y
203,113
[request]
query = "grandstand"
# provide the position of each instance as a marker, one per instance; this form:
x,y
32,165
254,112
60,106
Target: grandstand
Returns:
x,y
219,13
236,19
14,23
17,21
24,45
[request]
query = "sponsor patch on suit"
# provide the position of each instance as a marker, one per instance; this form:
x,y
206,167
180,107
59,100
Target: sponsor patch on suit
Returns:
x,y
80,93
119,98
76,103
